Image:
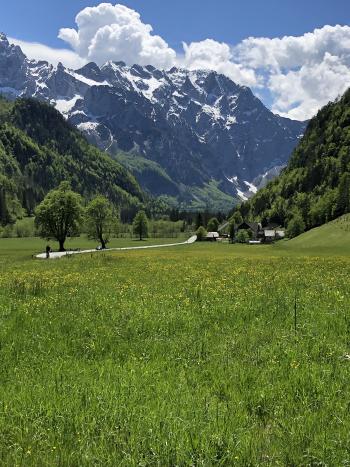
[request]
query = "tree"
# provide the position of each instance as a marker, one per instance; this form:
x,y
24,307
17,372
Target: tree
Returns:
x,y
296,226
60,214
140,225
213,225
10,207
242,236
343,200
100,220
232,231
237,218
199,220
201,233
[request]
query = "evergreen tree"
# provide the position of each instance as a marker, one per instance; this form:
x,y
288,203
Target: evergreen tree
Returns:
x,y
232,231
199,221
343,199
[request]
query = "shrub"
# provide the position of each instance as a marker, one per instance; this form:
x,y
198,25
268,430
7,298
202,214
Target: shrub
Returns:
x,y
201,234
25,227
213,225
242,236
8,231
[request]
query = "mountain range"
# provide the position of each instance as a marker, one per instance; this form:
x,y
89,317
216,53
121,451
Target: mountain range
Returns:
x,y
194,136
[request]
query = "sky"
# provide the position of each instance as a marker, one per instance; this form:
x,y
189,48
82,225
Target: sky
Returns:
x,y
295,55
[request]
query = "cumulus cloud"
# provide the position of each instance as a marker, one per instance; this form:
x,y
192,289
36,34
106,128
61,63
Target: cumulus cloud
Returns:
x,y
115,32
302,73
217,56
37,51
299,94
291,52
299,74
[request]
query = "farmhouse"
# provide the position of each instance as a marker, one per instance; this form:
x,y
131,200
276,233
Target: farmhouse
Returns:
x,y
212,236
270,235
254,227
259,234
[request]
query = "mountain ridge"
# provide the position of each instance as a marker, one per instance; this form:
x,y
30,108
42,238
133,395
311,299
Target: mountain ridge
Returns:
x,y
198,126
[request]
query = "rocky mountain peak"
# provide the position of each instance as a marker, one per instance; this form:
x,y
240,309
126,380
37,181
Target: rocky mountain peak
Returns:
x,y
192,128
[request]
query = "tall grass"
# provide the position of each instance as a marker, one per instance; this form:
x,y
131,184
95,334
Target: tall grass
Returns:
x,y
189,356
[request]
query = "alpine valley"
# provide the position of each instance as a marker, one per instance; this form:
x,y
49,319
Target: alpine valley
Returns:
x,y
195,137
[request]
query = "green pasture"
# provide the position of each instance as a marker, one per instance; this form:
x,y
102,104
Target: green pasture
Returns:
x,y
198,355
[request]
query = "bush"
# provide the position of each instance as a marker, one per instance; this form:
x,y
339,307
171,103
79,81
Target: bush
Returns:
x,y
213,225
242,236
201,234
24,227
8,231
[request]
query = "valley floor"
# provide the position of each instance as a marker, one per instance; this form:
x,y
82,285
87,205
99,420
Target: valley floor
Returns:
x,y
210,354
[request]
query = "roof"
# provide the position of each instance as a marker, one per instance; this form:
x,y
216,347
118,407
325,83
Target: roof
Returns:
x,y
255,226
212,235
223,226
281,233
271,226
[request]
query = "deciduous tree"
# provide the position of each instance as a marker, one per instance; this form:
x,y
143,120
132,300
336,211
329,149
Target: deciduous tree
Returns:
x,y
60,214
140,225
101,222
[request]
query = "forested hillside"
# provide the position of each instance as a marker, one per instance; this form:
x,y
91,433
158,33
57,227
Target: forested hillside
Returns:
x,y
39,149
315,186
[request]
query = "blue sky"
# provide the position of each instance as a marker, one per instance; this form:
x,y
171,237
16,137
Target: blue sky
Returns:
x,y
227,21
295,55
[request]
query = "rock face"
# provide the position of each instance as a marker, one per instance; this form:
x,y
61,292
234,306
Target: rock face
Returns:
x,y
189,134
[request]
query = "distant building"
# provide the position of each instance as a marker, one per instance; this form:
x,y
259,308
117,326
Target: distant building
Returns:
x,y
255,228
258,234
212,236
270,235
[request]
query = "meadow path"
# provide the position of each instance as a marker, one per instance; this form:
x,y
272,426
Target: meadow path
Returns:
x,y
60,254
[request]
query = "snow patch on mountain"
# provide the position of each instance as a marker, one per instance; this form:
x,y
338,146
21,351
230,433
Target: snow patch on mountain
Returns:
x,y
197,125
66,105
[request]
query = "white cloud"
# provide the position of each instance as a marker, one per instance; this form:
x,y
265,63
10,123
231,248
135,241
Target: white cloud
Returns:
x,y
300,74
217,56
299,94
115,32
291,52
37,51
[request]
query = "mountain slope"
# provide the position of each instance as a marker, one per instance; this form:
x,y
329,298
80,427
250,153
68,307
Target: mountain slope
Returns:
x,y
316,183
39,149
332,237
198,127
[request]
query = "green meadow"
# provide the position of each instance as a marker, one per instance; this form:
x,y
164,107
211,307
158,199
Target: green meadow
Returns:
x,y
198,355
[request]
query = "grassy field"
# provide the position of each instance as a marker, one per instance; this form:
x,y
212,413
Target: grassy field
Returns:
x,y
329,239
210,354
15,249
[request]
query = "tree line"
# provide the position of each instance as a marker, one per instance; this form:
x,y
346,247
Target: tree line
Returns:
x,y
315,186
61,214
